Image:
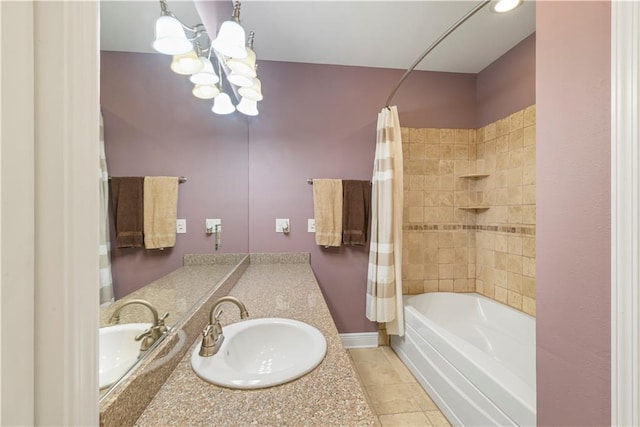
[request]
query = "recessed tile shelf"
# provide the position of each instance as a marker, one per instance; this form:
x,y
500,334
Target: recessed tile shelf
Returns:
x,y
474,175
474,208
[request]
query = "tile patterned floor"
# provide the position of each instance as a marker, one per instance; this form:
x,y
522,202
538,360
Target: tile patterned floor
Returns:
x,y
394,394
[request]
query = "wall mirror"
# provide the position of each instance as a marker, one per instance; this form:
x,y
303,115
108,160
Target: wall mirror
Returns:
x,y
153,122
155,126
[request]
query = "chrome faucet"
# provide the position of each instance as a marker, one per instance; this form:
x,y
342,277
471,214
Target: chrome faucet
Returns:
x,y
212,337
151,335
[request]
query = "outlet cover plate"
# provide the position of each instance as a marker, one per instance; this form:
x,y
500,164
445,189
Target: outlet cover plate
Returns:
x,y
311,225
282,224
181,226
210,224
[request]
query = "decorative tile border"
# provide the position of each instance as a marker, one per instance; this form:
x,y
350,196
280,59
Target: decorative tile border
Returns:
x,y
529,230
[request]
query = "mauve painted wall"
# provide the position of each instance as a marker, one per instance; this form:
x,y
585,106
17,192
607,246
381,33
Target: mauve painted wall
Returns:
x,y
573,213
316,121
319,121
155,126
508,84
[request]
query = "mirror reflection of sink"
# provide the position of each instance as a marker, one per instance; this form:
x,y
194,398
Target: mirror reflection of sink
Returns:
x,y
119,350
259,353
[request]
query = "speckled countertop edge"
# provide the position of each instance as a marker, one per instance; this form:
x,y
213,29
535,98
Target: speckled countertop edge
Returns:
x,y
329,395
280,258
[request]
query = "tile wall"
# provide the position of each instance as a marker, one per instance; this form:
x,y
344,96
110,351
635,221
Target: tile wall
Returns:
x,y
473,234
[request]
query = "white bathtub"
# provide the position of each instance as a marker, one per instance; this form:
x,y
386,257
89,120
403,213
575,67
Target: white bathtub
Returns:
x,y
474,356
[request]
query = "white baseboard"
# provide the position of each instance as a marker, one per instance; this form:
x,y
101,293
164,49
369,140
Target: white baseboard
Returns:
x,y
359,340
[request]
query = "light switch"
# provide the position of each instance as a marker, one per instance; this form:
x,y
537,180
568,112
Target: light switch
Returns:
x,y
311,225
181,226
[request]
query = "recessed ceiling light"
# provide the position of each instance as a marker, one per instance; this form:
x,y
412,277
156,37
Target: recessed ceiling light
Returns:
x,y
503,6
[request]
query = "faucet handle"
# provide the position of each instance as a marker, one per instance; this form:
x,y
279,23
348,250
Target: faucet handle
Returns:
x,y
162,328
162,318
206,332
147,339
144,334
211,340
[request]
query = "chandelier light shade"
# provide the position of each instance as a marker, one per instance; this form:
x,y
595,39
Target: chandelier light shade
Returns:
x,y
245,66
230,40
248,107
206,76
503,6
170,37
222,104
187,63
254,92
231,36
205,91
240,80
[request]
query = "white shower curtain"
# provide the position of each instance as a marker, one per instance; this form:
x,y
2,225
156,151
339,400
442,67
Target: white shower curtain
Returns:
x,y
106,283
384,278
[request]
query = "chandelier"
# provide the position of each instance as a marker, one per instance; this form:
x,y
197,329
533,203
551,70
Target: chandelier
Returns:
x,y
194,56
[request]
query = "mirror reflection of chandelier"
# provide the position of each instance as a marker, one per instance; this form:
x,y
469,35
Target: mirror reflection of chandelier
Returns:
x,y
231,50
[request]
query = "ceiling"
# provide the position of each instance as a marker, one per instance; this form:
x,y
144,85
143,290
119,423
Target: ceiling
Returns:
x,y
387,34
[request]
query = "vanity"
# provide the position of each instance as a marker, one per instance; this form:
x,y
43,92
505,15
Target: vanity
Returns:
x,y
269,285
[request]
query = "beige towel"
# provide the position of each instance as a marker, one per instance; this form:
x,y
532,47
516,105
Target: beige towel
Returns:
x,y
160,211
327,210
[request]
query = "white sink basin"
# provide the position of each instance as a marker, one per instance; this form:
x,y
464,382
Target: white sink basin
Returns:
x,y
118,350
259,353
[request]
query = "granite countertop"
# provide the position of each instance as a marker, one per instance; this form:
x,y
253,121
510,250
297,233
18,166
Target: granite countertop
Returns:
x,y
176,292
329,395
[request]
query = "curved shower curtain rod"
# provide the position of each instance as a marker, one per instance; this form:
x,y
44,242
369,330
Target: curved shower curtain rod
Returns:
x,y
433,46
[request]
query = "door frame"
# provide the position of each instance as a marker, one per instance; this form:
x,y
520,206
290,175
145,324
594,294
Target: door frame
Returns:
x,y
49,289
625,211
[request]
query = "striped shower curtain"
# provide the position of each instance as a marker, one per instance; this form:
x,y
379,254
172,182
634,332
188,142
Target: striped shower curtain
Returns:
x,y
384,277
106,284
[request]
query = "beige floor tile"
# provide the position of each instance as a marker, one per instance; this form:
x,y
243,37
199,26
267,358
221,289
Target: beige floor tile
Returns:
x,y
363,355
374,368
423,399
366,394
392,391
393,399
437,419
378,374
398,365
413,419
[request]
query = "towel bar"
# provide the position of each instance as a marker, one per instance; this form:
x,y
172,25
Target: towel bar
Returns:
x,y
310,181
181,179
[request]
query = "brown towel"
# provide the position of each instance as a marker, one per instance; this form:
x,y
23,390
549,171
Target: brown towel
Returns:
x,y
126,200
327,211
160,211
356,207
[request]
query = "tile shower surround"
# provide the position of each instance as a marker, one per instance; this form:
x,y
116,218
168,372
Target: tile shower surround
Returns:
x,y
491,250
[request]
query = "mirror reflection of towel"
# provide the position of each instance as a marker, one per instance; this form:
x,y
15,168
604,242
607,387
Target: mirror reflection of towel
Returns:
x,y
327,211
356,207
160,211
126,201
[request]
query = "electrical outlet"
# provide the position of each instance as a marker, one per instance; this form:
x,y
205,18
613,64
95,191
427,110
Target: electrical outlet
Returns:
x,y
210,225
282,225
181,226
311,225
